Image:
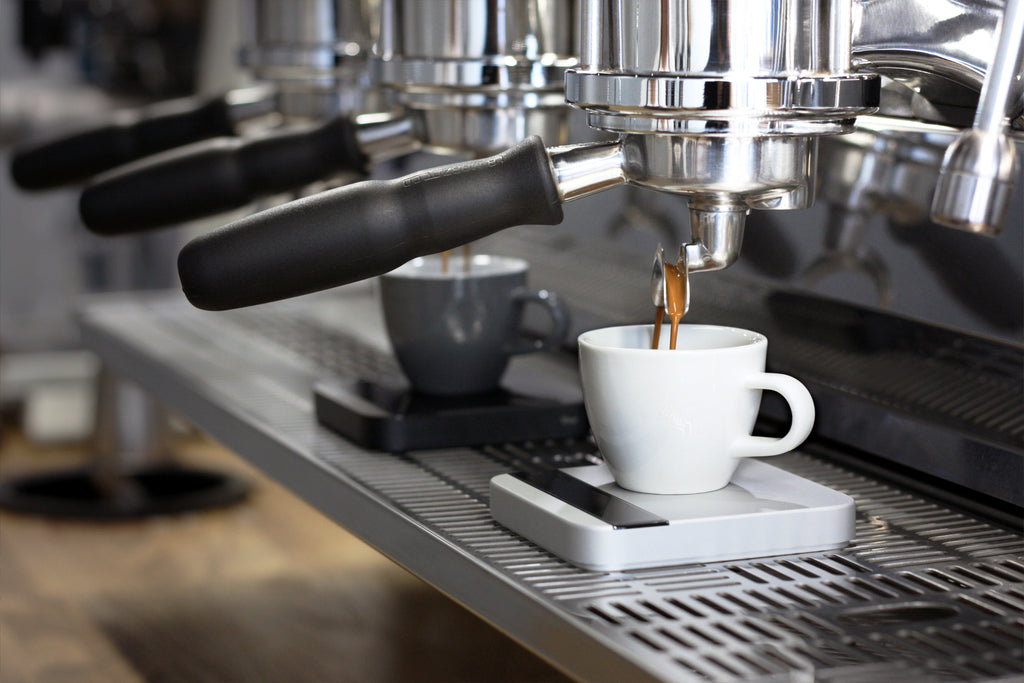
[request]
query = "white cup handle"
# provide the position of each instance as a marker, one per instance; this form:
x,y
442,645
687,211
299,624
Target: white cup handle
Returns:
x,y
802,407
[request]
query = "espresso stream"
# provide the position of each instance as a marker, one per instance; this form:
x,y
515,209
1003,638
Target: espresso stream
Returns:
x,y
675,304
447,255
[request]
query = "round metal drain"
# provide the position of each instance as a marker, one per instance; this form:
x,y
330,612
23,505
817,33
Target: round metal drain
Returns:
x,y
157,490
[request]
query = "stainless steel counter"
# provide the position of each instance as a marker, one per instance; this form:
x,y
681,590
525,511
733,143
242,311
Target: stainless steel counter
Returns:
x,y
925,592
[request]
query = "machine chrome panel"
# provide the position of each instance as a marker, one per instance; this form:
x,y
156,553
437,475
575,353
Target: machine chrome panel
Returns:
x,y
315,52
715,37
934,54
724,97
478,77
468,30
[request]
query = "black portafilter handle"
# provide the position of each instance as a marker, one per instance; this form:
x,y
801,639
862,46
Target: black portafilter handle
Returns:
x,y
214,176
79,156
367,229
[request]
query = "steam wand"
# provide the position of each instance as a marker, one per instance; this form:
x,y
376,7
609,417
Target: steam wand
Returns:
x,y
977,177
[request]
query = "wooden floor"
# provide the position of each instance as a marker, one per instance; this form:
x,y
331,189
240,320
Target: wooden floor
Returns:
x,y
266,590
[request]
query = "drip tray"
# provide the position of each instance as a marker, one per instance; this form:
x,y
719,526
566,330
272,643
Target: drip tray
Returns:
x,y
579,514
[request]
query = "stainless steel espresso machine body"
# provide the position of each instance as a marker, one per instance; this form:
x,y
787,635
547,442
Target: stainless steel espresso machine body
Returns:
x,y
315,53
729,112
709,102
479,77
470,78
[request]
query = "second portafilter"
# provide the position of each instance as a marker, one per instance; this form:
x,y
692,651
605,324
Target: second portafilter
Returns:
x,y
312,58
465,77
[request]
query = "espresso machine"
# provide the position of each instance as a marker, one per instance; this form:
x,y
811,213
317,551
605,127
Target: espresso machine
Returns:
x,y
731,115
705,106
821,149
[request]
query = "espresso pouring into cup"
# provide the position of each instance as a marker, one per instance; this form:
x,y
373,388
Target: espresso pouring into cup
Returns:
x,y
679,421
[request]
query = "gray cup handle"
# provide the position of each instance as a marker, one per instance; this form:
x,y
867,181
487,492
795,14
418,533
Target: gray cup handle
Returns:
x,y
559,321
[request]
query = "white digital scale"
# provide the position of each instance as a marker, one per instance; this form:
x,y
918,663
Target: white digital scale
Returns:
x,y
581,515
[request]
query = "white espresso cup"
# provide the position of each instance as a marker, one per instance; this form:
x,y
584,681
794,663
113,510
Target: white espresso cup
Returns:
x,y
678,421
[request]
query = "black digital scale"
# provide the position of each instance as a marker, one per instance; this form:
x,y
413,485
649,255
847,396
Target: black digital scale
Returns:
x,y
535,401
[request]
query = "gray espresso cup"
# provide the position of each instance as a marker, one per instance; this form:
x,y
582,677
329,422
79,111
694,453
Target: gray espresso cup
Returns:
x,y
453,332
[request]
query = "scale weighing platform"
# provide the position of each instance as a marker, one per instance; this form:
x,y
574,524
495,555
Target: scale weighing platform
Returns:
x,y
579,514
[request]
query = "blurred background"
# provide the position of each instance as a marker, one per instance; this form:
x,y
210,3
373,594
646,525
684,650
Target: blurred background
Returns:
x,y
266,590
66,65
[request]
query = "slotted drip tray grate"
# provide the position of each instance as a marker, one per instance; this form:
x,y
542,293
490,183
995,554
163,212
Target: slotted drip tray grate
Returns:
x,y
924,591
331,349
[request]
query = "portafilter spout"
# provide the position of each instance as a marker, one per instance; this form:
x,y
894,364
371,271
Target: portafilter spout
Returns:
x,y
719,205
717,234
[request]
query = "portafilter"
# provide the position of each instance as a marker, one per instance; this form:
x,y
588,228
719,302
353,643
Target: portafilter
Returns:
x,y
464,77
